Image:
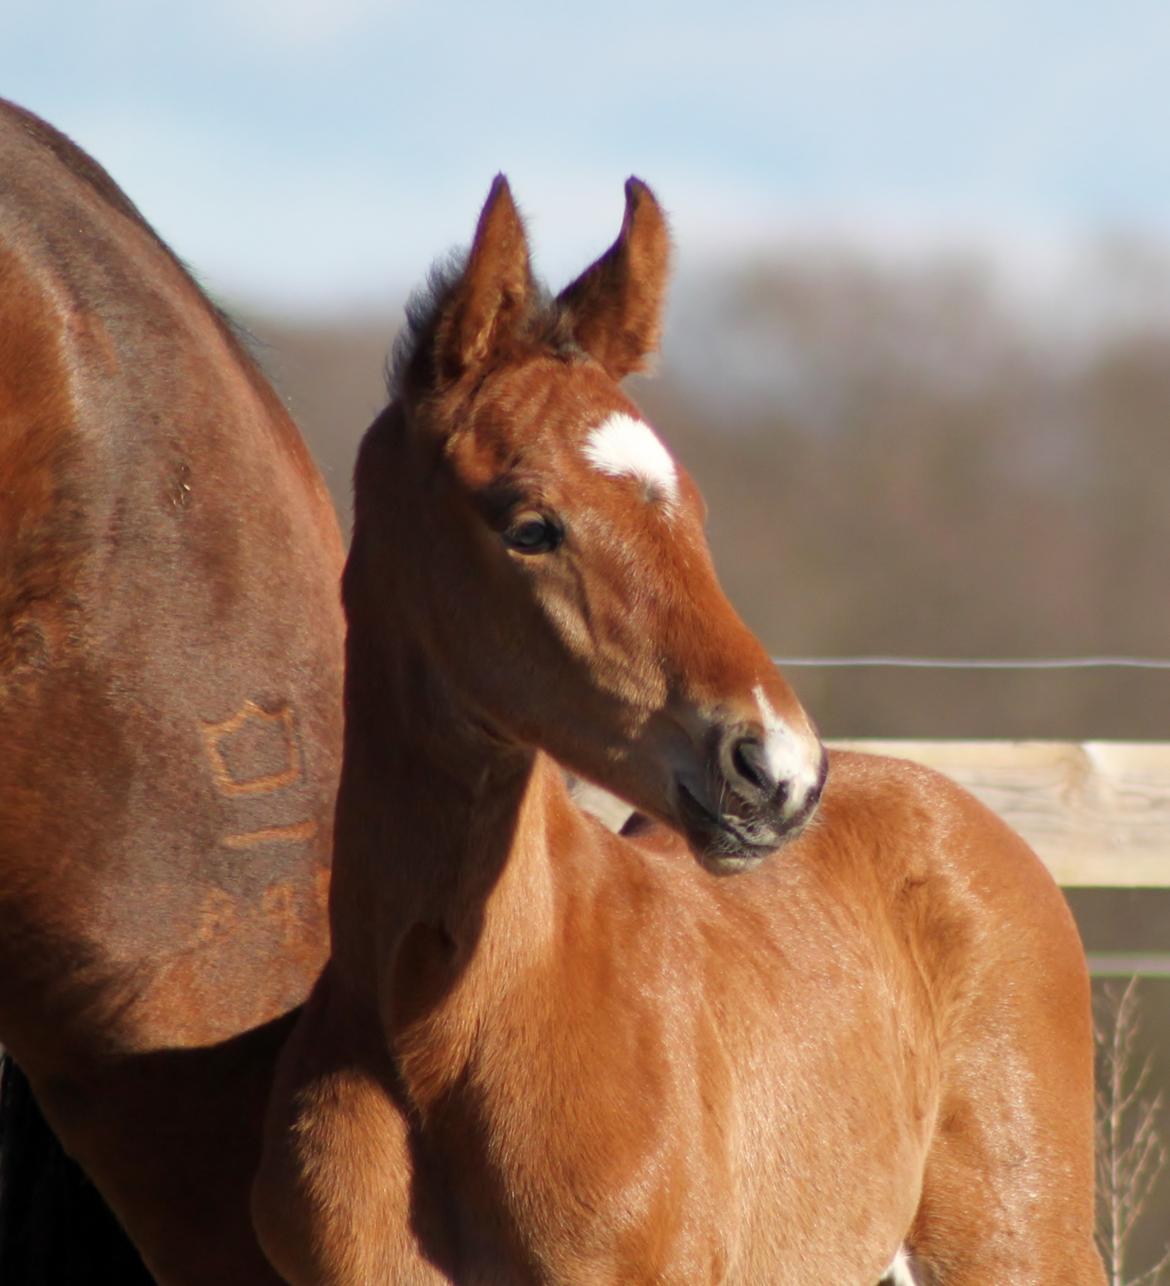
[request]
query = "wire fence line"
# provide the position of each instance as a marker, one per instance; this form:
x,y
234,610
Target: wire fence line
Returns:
x,y
976,662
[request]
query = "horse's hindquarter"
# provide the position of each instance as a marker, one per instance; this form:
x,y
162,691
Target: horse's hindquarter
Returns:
x,y
169,689
170,638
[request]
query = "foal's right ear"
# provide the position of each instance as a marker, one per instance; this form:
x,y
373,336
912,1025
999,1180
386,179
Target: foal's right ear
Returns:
x,y
614,308
493,296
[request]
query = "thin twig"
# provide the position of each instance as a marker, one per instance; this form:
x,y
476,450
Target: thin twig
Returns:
x,y
1131,1155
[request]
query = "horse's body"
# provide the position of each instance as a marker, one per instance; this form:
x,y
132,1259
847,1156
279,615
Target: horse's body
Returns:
x,y
169,696
542,1052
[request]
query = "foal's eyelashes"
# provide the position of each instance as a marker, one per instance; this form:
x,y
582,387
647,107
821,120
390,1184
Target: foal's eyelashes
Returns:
x,y
533,533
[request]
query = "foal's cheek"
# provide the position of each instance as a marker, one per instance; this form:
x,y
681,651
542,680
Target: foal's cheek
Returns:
x,y
560,610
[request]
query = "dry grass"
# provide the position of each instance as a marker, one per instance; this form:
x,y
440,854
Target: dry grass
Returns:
x,y
1131,1149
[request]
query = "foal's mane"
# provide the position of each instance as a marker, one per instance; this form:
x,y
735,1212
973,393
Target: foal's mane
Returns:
x,y
544,324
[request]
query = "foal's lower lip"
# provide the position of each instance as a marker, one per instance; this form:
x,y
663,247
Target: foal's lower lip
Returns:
x,y
723,864
752,851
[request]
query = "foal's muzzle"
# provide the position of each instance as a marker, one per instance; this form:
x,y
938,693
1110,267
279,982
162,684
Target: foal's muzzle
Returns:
x,y
758,791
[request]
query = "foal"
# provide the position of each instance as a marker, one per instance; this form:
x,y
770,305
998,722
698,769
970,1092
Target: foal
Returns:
x,y
545,1053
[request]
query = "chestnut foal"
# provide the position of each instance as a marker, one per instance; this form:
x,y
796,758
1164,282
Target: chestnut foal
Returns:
x,y
542,1052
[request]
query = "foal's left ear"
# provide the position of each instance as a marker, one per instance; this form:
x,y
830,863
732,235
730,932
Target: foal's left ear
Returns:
x,y
614,308
494,294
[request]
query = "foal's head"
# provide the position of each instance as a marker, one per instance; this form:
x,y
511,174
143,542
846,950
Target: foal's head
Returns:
x,y
547,551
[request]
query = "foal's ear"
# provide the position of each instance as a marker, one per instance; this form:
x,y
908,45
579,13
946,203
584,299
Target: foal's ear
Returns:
x,y
493,295
614,308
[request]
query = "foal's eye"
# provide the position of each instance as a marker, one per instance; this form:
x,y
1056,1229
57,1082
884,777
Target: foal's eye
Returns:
x,y
532,533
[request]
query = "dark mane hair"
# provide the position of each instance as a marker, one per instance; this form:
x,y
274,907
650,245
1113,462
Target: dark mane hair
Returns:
x,y
544,326
423,307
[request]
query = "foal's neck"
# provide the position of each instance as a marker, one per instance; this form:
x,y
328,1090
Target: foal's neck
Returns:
x,y
442,838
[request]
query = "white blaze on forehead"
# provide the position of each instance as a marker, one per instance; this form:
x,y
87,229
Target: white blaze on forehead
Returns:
x,y
792,757
623,445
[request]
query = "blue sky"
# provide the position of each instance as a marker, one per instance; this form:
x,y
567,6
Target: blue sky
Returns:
x,y
318,153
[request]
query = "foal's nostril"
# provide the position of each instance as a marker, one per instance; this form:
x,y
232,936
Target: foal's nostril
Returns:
x,y
750,762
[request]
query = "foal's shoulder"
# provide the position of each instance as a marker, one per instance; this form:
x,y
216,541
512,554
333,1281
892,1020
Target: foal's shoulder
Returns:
x,y
883,802
940,856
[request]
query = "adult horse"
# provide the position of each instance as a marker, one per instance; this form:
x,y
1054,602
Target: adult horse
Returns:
x,y
542,1052
170,652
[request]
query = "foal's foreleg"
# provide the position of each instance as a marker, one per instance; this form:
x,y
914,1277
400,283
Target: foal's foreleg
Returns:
x,y
334,1202
1008,1187
1008,1190
963,1236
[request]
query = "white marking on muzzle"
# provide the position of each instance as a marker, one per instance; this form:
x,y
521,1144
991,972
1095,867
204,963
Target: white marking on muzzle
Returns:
x,y
623,445
791,757
898,1273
